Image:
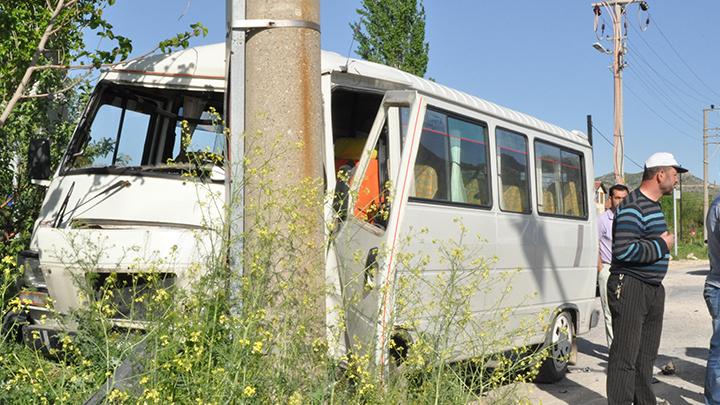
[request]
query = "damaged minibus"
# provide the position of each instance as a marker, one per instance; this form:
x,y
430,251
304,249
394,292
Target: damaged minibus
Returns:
x,y
521,184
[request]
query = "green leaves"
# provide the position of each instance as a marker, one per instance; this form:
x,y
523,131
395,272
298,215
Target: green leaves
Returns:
x,y
34,98
182,40
392,32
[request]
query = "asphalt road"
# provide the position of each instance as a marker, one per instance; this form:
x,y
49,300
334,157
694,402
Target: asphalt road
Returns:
x,y
685,339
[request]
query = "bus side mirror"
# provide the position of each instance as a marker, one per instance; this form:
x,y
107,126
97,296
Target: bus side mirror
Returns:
x,y
39,161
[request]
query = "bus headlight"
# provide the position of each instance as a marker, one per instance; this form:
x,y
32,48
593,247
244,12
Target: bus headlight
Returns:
x,y
29,261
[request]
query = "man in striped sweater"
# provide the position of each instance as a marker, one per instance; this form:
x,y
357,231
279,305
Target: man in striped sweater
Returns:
x,y
641,246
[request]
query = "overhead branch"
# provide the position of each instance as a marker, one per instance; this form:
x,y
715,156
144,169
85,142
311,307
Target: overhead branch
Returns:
x,y
89,67
72,84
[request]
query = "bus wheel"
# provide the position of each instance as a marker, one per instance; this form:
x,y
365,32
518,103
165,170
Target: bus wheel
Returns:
x,y
559,344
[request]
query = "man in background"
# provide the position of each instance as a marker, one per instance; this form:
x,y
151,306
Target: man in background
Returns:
x,y
617,194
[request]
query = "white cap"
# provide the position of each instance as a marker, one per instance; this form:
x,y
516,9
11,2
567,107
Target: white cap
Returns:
x,y
664,159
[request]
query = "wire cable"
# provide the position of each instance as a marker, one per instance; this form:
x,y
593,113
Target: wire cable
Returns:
x,y
667,82
611,144
665,101
665,63
683,60
660,116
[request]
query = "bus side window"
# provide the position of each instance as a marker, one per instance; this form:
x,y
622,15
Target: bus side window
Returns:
x,y
573,195
451,163
512,163
560,180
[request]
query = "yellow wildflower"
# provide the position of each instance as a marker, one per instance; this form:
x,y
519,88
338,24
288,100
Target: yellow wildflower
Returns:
x,y
257,347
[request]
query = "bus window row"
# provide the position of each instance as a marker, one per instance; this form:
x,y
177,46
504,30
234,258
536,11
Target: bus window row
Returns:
x,y
452,166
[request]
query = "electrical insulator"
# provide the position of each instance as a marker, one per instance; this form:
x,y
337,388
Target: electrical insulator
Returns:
x,y
644,6
597,10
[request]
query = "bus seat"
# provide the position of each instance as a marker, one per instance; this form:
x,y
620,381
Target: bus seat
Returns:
x,y
349,148
472,190
548,202
426,181
368,197
512,199
571,204
349,151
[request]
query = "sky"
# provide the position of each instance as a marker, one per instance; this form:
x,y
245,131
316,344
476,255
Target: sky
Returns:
x,y
534,57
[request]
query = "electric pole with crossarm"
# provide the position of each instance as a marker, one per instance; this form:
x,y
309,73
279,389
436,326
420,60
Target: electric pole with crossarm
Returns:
x,y
616,10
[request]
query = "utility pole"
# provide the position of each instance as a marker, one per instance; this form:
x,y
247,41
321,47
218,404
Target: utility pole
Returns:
x,y
706,141
283,141
616,11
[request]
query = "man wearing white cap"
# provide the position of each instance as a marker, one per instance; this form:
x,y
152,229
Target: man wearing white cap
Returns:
x,y
641,251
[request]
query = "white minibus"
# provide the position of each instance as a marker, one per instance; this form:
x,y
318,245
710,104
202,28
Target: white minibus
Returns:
x,y
423,156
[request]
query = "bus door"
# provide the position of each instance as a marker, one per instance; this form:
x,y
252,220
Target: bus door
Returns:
x,y
370,219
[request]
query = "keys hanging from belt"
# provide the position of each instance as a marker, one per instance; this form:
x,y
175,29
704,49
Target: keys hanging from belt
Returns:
x,y
618,289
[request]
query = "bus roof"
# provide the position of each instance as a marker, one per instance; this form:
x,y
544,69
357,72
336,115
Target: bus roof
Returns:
x,y
199,68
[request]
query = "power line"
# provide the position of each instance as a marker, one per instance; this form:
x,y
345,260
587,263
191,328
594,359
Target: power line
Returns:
x,y
665,63
665,100
683,60
660,116
611,144
668,83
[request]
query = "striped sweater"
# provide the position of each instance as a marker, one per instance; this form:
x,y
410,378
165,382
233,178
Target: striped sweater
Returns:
x,y
638,250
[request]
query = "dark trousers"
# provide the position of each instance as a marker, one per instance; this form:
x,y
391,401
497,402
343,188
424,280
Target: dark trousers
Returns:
x,y
637,324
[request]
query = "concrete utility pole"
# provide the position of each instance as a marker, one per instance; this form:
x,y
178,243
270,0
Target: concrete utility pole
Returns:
x,y
706,141
283,134
616,11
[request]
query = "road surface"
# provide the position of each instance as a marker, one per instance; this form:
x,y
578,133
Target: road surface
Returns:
x,y
685,337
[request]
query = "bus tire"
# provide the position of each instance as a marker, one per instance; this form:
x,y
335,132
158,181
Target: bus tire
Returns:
x,y
560,344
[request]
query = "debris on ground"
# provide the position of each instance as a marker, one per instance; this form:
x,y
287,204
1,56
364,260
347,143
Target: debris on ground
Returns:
x,y
668,368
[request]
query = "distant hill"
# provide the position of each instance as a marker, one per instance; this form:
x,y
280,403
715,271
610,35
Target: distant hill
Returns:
x,y
690,183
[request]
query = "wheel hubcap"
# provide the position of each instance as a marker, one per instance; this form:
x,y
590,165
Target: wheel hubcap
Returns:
x,y
561,341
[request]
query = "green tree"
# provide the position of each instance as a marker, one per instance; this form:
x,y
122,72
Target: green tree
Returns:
x,y
392,32
42,40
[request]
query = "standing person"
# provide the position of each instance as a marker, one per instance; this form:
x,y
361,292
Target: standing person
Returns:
x,y
712,299
641,251
617,194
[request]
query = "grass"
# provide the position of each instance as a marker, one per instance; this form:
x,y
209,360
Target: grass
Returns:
x,y
696,248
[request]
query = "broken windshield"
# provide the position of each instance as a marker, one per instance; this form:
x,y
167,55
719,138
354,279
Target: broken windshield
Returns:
x,y
134,127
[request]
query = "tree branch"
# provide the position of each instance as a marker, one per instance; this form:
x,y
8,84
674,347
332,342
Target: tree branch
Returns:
x,y
56,30
25,81
64,89
88,67
68,67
